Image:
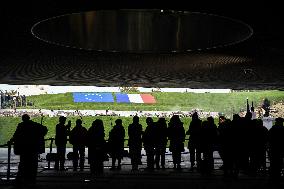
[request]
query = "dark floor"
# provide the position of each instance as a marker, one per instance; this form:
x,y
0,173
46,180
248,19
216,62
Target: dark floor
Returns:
x,y
142,180
169,178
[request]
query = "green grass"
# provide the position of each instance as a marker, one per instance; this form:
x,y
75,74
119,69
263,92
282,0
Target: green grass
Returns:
x,y
226,103
8,125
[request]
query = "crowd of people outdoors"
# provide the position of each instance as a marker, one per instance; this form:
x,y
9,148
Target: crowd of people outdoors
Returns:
x,y
12,100
243,144
67,113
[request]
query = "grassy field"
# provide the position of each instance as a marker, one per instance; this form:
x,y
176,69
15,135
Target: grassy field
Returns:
x,y
8,125
225,103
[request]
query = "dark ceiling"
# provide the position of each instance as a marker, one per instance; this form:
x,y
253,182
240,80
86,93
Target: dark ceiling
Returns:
x,y
256,63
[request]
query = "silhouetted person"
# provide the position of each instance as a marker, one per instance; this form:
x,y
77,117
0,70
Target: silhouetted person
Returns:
x,y
116,143
78,139
176,135
96,147
276,143
252,147
194,131
149,140
235,147
208,140
227,147
135,142
161,142
246,127
221,140
61,133
259,148
27,143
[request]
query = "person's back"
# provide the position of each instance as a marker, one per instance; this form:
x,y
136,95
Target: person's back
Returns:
x,y
194,143
176,134
96,146
276,136
27,137
116,143
161,132
78,135
149,142
62,131
61,134
261,134
135,134
276,143
27,143
194,129
117,134
135,142
149,135
161,142
209,133
78,138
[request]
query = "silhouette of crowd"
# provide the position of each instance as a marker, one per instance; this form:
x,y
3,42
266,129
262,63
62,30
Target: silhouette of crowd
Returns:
x,y
243,144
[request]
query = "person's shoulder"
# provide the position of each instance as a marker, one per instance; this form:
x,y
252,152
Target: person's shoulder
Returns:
x,y
21,124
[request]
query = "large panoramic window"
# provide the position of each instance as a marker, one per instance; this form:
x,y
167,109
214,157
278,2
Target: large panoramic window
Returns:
x,y
46,103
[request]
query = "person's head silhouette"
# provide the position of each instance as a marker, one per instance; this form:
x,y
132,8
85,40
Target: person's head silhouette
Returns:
x,y
118,122
149,120
25,117
279,121
135,119
62,119
194,116
78,122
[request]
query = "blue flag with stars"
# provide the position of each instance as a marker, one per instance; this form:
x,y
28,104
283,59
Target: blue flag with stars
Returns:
x,y
93,97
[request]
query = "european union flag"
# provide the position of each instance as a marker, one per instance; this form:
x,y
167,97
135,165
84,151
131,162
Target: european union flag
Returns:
x,y
122,98
93,97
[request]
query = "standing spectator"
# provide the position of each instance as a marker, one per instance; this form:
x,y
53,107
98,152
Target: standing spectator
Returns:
x,y
135,142
27,139
24,100
161,142
208,140
263,144
78,140
194,132
149,142
176,134
116,143
276,143
61,133
96,144
221,140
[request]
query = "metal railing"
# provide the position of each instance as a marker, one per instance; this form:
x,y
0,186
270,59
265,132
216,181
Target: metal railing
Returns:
x,y
8,174
9,145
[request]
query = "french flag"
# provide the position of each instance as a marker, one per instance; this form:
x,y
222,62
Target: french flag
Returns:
x,y
135,98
